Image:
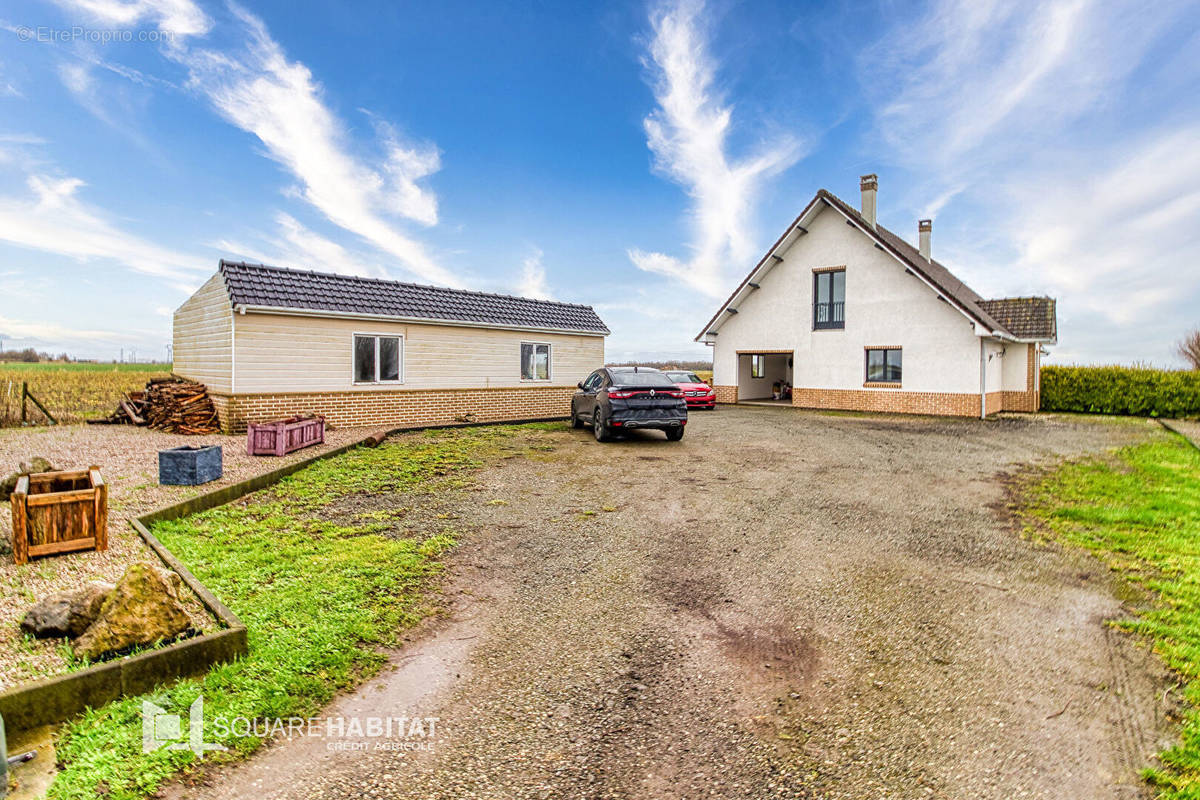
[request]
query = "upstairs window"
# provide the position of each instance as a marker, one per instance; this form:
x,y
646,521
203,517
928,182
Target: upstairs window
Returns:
x,y
535,361
829,299
378,359
884,365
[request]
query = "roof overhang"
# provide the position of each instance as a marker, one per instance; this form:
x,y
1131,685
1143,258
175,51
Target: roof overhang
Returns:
x,y
243,308
797,229
774,256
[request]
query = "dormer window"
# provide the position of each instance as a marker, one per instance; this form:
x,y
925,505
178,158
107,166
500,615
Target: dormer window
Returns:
x,y
829,299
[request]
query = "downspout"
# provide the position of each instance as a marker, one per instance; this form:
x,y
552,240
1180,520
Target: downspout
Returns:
x,y
982,378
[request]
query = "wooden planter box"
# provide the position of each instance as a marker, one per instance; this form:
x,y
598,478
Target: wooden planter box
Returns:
x,y
285,436
59,512
189,466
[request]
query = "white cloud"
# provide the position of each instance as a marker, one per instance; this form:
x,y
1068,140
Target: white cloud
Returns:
x,y
1117,243
53,219
533,278
294,245
58,336
258,89
688,133
1040,131
180,18
254,86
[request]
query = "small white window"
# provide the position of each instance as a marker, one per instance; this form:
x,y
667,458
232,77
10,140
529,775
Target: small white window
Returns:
x,y
535,361
758,366
378,359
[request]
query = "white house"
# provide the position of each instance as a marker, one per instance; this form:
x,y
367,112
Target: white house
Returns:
x,y
851,316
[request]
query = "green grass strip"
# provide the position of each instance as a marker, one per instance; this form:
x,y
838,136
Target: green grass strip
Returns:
x,y
320,601
1139,511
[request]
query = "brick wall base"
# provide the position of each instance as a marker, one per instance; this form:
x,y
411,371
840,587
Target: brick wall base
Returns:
x,y
725,394
398,408
888,400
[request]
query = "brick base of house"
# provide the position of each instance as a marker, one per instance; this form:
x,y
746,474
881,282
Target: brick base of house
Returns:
x,y
888,400
404,408
725,394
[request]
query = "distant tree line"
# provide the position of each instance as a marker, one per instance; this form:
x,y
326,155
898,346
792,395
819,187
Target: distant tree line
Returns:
x,y
31,356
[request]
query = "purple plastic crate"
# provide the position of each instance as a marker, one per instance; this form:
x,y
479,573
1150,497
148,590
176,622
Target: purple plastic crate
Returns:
x,y
284,436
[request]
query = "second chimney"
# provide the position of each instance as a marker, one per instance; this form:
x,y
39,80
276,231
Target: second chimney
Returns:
x,y
924,232
869,184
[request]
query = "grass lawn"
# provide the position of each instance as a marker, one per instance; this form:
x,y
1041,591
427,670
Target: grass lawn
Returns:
x,y
1138,509
322,593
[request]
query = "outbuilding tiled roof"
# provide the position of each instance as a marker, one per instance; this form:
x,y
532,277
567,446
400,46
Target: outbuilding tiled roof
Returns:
x,y
278,287
1025,317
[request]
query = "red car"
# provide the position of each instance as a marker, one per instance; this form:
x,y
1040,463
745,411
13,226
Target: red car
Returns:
x,y
697,393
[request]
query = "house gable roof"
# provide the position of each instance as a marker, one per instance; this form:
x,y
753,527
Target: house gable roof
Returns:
x,y
262,287
954,291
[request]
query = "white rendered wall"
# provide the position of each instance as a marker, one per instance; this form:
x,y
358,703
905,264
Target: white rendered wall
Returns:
x,y
885,306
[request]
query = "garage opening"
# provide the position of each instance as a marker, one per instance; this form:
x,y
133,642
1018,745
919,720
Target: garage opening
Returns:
x,y
765,377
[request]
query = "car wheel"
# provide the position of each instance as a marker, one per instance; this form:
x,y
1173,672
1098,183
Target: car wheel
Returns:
x,y
675,434
599,429
576,422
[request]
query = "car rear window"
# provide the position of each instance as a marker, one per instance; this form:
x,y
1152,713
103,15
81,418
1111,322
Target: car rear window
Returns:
x,y
641,379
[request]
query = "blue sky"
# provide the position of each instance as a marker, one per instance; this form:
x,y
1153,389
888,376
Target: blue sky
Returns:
x,y
637,157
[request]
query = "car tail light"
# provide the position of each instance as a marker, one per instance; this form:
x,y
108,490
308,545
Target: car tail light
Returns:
x,y
673,394
619,395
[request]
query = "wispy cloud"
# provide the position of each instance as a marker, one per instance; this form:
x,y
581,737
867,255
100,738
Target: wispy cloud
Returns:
x,y
58,336
180,18
294,245
52,218
255,87
688,136
533,277
1036,124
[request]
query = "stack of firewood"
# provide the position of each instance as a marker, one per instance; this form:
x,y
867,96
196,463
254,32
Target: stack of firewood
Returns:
x,y
170,404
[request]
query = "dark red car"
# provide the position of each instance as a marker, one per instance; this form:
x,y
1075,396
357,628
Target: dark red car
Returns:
x,y
697,393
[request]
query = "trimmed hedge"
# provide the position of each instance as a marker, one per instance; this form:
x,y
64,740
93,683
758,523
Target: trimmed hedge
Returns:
x,y
1136,391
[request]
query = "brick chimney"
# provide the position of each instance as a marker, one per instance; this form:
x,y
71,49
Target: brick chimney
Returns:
x,y
924,233
869,184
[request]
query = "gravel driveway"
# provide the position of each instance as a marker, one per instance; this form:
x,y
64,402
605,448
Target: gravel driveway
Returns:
x,y
785,604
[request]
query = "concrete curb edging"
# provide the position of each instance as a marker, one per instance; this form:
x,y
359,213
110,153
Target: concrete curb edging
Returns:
x,y
57,699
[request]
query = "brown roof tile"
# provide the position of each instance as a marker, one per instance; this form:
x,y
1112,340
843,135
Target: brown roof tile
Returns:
x,y
1025,317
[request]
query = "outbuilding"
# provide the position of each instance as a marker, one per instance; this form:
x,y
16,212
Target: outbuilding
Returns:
x,y
841,313
271,342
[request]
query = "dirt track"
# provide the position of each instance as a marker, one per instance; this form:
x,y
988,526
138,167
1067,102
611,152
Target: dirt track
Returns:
x,y
784,604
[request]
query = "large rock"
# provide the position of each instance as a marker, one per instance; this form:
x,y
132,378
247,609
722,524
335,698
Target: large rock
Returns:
x,y
143,609
35,464
66,613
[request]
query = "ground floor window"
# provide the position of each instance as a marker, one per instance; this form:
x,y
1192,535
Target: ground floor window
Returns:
x,y
884,365
535,361
758,366
378,359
